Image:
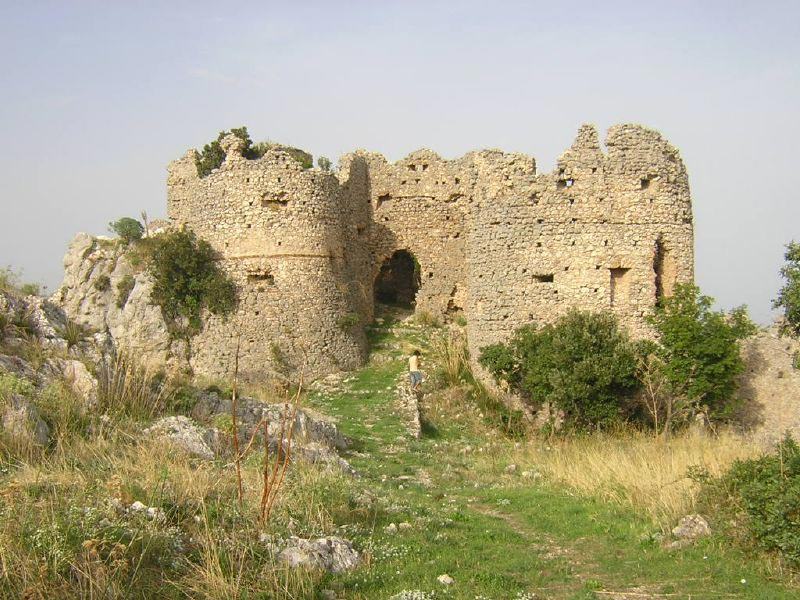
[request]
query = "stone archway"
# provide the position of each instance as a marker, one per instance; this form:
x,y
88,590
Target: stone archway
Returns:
x,y
398,280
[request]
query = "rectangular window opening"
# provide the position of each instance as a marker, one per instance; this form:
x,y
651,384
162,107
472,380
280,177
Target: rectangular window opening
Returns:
x,y
620,285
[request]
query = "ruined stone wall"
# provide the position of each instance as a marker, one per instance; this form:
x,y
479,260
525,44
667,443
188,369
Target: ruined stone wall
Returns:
x,y
284,235
493,238
603,231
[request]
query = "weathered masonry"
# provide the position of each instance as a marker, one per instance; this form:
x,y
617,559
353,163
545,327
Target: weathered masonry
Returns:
x,y
485,235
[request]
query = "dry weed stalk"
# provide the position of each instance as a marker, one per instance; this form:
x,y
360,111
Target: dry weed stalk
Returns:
x,y
234,426
273,479
665,408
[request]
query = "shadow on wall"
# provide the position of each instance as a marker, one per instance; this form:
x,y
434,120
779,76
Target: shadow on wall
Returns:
x,y
398,280
750,412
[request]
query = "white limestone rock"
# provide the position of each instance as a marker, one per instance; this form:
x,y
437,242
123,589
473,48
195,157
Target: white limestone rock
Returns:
x,y
332,554
187,435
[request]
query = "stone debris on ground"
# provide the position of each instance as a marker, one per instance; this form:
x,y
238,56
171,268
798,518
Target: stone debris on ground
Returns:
x,y
445,579
688,530
308,425
691,527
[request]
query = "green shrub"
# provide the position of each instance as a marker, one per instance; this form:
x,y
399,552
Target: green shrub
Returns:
x,y
22,321
128,229
187,279
324,163
30,289
102,283
582,364
305,159
8,279
124,289
212,155
18,323
73,333
789,295
11,384
700,348
348,321
10,282
760,498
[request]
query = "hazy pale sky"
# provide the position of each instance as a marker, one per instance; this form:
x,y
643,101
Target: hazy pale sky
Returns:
x,y
97,98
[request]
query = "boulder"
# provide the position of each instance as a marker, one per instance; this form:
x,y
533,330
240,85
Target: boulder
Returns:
x,y
187,435
691,527
309,426
332,554
78,377
20,419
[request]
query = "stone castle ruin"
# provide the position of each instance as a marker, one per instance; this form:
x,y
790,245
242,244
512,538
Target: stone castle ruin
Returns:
x,y
484,235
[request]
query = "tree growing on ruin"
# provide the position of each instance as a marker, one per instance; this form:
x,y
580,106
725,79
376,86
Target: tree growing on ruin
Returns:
x,y
212,155
789,295
188,279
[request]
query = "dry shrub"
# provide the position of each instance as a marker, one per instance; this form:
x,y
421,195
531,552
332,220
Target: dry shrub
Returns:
x,y
427,319
125,387
230,571
634,469
450,355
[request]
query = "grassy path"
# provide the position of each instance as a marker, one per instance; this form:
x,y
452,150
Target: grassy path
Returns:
x,y
499,537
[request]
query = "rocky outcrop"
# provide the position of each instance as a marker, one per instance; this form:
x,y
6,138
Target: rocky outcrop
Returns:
x,y
332,554
33,316
309,426
105,293
185,434
314,438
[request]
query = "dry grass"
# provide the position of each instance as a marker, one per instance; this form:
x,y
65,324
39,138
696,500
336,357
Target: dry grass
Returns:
x,y
126,387
199,497
632,469
449,353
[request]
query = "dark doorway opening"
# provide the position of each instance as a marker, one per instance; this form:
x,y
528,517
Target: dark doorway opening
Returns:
x,y
398,281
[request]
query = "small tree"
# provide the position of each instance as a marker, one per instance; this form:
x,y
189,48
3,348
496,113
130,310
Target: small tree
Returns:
x,y
663,409
324,163
700,348
583,364
128,229
789,295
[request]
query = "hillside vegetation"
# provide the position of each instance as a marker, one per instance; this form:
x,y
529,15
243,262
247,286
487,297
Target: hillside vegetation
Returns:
x,y
472,509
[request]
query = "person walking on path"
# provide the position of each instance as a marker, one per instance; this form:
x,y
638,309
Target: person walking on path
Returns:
x,y
414,374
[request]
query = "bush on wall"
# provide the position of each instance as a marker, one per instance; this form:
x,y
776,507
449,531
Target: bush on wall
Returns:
x,y
187,279
212,155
